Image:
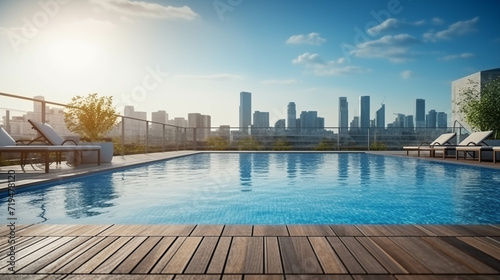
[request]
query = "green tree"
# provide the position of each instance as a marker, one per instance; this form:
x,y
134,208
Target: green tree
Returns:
x,y
249,144
481,106
282,145
91,117
378,146
217,143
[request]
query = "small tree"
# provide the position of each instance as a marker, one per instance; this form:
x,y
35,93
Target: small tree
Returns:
x,y
325,145
282,145
217,143
481,106
90,117
248,144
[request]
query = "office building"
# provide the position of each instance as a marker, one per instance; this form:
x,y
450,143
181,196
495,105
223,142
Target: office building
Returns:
x,y
420,113
245,111
343,115
380,117
399,122
408,122
458,86
260,119
291,116
135,128
364,111
308,121
354,123
431,119
279,126
442,120
199,124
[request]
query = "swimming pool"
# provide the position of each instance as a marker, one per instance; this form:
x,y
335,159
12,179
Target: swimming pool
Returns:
x,y
271,188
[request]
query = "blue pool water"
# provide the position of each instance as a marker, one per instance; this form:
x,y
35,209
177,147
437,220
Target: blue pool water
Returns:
x,y
271,188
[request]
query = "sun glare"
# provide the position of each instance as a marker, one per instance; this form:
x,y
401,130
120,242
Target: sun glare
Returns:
x,y
73,56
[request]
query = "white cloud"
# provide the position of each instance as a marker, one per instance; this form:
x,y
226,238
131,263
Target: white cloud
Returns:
x,y
387,25
407,74
459,28
279,82
316,65
144,9
457,56
394,48
437,21
310,39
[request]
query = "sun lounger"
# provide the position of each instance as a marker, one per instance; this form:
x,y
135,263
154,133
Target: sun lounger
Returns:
x,y
495,151
9,145
443,139
474,140
473,151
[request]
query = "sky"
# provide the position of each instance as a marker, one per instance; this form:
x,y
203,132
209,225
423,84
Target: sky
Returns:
x,y
192,56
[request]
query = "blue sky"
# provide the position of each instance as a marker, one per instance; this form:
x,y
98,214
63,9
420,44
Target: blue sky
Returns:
x,y
185,56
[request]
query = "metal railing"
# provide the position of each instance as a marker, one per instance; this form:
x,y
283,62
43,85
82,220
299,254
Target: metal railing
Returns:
x,y
134,135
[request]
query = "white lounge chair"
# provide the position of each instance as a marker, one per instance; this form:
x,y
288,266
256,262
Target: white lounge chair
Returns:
x,y
495,151
443,139
9,145
474,140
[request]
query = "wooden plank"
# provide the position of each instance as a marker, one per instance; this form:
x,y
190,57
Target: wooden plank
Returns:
x,y
207,230
123,230
345,256
298,256
102,255
219,257
246,255
272,257
270,230
264,277
329,260
392,230
37,254
181,258
201,257
117,257
237,230
70,256
382,256
369,263
346,230
167,230
150,260
165,258
448,230
435,260
459,255
28,247
197,277
232,277
481,245
483,230
4,244
86,230
53,255
41,230
135,258
86,255
310,230
402,257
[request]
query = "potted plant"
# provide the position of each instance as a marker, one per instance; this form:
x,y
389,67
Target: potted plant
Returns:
x,y
92,118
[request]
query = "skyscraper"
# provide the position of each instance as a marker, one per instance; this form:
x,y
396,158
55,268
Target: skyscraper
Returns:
x,y
442,120
431,119
245,110
420,113
308,121
364,111
343,115
291,116
261,119
380,117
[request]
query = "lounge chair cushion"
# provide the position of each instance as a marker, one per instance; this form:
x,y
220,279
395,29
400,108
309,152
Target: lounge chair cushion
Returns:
x,y
6,139
49,133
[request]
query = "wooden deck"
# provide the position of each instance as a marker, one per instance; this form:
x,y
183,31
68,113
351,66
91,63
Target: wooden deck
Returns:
x,y
253,252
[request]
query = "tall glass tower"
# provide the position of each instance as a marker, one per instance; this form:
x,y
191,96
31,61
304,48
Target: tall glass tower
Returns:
x,y
291,116
364,111
380,117
245,110
343,115
420,113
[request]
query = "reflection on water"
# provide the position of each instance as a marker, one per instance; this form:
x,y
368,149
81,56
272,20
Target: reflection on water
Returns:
x,y
271,188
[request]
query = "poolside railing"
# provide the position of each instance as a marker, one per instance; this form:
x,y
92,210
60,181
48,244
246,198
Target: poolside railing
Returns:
x,y
136,135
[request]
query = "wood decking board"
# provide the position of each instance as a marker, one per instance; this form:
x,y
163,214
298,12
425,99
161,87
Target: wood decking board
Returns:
x,y
121,254
237,230
149,261
298,256
362,252
53,255
207,230
434,260
246,256
329,260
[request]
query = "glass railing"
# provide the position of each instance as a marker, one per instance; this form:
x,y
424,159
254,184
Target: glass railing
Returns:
x,y
132,135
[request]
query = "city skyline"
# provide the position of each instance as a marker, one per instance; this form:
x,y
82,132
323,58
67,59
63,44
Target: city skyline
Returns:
x,y
184,56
